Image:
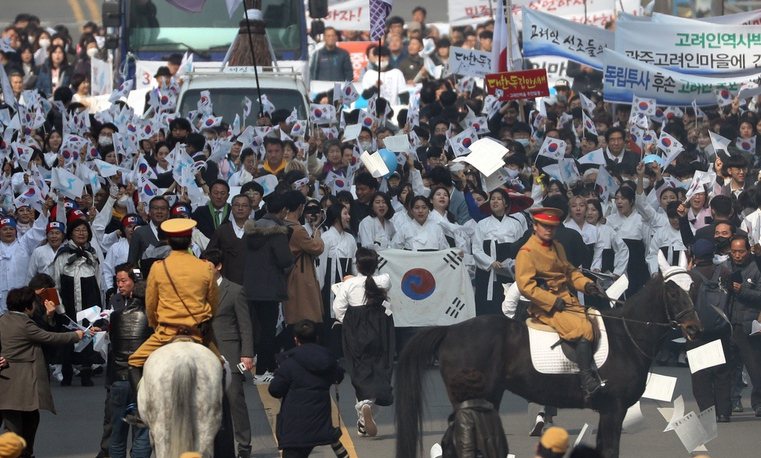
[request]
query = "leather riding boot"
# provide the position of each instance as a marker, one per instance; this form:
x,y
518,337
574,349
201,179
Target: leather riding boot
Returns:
x,y
132,416
590,383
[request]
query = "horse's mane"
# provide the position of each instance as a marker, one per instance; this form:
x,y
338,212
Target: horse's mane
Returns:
x,y
647,295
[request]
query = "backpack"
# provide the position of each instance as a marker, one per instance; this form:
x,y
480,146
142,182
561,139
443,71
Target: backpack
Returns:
x,y
711,301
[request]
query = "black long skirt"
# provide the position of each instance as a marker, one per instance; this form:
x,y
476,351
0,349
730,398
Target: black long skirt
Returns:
x,y
368,346
636,270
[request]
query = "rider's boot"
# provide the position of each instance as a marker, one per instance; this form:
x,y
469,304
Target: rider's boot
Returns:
x,y
132,416
590,383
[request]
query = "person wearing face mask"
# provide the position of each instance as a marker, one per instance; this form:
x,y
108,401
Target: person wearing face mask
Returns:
x,y
392,82
653,217
105,134
722,211
722,235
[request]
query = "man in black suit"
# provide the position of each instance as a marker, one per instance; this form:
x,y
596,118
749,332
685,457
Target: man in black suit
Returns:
x,y
617,158
145,236
228,238
216,212
233,333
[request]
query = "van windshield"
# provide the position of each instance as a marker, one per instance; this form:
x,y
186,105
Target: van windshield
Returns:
x,y
157,25
228,102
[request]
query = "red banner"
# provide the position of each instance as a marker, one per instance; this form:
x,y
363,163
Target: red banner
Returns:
x,y
357,50
524,84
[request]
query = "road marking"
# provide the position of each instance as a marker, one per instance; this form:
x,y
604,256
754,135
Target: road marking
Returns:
x,y
92,6
76,9
272,408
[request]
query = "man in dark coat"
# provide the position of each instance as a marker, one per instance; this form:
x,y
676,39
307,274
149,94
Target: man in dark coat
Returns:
x,y
216,212
617,158
145,236
331,63
303,381
232,330
228,238
268,259
744,307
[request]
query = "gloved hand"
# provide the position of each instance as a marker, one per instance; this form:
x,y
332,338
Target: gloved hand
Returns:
x,y
559,304
593,290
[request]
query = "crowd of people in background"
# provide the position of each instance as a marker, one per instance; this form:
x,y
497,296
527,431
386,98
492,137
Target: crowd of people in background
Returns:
x,y
327,217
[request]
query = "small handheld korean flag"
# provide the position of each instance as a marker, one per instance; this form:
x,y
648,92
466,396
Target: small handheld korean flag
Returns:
x,y
699,114
247,103
146,189
32,197
480,125
122,91
606,183
747,145
293,117
322,113
204,105
723,97
719,143
588,124
669,145
673,112
267,106
552,148
643,105
142,167
461,143
586,104
349,93
299,128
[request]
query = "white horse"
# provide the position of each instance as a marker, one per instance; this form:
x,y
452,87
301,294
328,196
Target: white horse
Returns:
x,y
180,399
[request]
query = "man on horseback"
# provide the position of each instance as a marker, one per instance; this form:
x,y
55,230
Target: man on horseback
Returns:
x,y
181,297
550,282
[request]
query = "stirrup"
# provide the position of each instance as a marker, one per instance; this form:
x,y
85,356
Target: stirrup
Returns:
x,y
132,416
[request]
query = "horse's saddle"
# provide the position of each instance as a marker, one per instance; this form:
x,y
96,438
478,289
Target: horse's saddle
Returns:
x,y
549,354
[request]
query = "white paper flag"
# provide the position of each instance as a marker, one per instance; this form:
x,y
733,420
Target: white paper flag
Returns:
x,y
659,387
705,356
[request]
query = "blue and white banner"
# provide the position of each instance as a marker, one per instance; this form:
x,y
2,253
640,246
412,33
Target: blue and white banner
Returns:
x,y
696,47
428,288
548,35
624,78
744,18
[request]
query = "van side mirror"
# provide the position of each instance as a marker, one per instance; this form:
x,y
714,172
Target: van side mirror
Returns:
x,y
318,9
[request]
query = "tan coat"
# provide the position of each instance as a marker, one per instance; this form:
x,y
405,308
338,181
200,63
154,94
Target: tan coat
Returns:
x,y
24,384
543,274
196,285
304,301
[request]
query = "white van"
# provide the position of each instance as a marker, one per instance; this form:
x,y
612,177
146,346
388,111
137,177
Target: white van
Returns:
x,y
284,87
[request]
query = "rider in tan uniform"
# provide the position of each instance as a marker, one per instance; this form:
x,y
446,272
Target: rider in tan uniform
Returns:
x,y
550,282
180,300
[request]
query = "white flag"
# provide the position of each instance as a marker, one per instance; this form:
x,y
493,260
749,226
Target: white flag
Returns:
x,y
607,184
643,105
593,157
66,183
719,143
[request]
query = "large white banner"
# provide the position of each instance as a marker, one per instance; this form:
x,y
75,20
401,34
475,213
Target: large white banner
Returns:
x,y
745,18
623,78
598,12
548,35
428,288
348,15
694,48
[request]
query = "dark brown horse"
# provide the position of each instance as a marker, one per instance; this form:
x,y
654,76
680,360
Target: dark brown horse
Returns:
x,y
498,347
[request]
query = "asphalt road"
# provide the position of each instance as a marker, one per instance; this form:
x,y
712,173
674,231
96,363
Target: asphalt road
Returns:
x,y
75,431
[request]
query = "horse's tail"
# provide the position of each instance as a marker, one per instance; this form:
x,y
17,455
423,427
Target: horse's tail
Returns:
x,y
416,355
182,428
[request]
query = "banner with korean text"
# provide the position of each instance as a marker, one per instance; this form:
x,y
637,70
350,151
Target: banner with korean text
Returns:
x,y
524,84
695,48
624,78
358,55
598,12
469,62
548,35
430,288
744,18
348,15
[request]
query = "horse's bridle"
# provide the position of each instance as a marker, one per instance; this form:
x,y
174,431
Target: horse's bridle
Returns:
x,y
673,323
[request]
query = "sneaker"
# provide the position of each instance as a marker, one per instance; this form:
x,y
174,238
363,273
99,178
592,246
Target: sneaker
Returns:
x,y
264,379
538,426
369,421
738,407
361,431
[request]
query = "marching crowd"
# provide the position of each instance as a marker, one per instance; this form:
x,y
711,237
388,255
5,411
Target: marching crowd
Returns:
x,y
299,238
